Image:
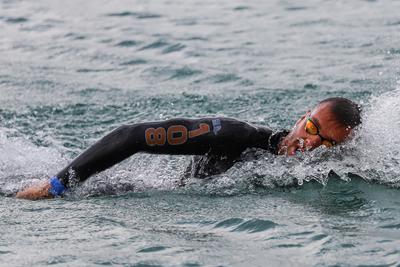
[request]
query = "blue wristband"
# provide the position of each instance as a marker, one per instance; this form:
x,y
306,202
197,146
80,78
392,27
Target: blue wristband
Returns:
x,y
56,187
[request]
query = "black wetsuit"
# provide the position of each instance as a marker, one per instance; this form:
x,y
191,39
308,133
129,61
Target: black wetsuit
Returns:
x,y
219,142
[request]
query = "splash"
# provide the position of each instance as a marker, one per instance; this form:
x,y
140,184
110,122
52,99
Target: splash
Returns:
x,y
373,154
139,173
22,163
378,143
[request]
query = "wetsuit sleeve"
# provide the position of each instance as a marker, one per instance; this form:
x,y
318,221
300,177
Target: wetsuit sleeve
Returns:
x,y
176,136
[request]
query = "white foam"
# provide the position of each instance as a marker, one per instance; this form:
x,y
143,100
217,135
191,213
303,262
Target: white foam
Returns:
x,y
22,162
378,140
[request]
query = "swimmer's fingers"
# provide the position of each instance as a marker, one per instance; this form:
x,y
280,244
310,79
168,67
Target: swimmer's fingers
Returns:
x,y
36,192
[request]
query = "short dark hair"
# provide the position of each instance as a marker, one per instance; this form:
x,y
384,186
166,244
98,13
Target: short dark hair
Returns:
x,y
347,112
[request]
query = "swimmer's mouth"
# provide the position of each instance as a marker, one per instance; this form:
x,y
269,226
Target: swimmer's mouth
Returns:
x,y
297,146
300,146
298,149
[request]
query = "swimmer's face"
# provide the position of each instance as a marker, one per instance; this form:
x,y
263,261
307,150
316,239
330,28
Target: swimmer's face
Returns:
x,y
329,129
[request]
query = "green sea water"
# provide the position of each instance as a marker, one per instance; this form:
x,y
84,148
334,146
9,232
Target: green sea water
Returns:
x,y
71,71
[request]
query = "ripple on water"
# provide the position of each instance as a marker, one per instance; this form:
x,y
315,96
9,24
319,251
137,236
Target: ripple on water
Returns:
x,y
301,233
394,252
155,45
127,43
138,15
185,22
250,226
254,226
195,38
59,259
133,62
223,78
172,73
16,20
295,8
312,23
104,221
390,226
288,246
310,86
347,245
241,8
191,264
173,48
145,264
393,23
87,70
318,237
6,252
184,72
152,249
394,51
34,209
228,223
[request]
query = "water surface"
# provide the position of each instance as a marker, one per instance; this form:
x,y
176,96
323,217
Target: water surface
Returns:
x,y
72,71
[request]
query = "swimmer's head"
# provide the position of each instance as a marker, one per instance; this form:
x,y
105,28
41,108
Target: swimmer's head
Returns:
x,y
329,124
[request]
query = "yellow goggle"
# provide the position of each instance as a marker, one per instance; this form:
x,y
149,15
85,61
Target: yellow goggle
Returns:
x,y
312,129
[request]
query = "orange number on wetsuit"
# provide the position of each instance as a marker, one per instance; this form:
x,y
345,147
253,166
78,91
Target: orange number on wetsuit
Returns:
x,y
177,135
155,136
203,129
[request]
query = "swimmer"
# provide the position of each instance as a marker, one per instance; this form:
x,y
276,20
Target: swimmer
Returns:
x,y
217,143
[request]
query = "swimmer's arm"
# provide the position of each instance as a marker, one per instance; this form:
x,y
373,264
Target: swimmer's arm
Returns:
x,y
176,136
173,137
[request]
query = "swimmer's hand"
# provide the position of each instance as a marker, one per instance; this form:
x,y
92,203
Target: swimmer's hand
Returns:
x,y
36,192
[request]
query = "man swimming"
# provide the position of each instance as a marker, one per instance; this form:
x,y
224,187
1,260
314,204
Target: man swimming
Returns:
x,y
217,143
